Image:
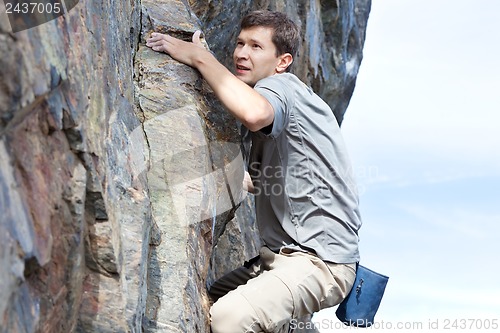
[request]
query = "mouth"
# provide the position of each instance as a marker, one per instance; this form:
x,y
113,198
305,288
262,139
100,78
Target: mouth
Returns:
x,y
240,69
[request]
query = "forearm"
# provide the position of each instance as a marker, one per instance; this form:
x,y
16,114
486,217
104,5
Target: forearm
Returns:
x,y
248,106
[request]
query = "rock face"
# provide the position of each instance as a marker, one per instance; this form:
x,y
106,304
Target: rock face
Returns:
x,y
75,223
120,173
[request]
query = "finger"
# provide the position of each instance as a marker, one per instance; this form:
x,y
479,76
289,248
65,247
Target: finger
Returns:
x,y
159,47
153,36
151,43
157,36
154,39
156,43
196,37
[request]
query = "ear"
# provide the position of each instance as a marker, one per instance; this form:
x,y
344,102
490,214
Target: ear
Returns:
x,y
284,61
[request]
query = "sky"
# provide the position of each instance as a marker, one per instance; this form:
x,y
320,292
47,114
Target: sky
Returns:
x,y
423,131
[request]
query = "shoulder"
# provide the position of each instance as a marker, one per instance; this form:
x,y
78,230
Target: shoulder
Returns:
x,y
286,85
278,79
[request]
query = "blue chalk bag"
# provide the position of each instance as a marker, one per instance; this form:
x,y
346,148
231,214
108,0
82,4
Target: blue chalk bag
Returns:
x,y
361,304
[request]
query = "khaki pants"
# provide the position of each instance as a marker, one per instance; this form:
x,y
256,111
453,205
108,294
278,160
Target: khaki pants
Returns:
x,y
276,289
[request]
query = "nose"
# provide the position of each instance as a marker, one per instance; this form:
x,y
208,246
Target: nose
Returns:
x,y
241,52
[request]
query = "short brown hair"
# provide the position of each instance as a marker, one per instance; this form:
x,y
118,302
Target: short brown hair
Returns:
x,y
286,35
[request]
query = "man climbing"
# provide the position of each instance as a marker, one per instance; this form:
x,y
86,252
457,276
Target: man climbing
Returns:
x,y
305,197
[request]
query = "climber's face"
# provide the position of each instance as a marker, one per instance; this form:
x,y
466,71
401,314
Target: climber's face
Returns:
x,y
255,55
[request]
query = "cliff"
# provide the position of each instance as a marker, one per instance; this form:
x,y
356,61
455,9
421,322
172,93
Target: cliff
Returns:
x,y
120,173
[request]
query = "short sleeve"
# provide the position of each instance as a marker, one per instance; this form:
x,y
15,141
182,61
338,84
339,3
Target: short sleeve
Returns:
x,y
280,96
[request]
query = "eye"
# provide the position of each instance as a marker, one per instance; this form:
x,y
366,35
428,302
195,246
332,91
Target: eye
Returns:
x,y
256,46
239,43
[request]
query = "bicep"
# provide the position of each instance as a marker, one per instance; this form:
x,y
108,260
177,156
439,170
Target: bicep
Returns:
x,y
279,111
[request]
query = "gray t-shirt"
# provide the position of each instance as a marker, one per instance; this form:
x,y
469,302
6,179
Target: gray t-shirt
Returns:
x,y
305,193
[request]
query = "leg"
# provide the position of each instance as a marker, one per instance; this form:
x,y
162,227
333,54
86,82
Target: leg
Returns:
x,y
257,306
290,285
233,279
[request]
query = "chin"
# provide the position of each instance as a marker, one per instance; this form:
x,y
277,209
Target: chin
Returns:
x,y
246,80
250,83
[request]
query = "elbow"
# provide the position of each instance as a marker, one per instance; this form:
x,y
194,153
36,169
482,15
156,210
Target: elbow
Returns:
x,y
256,121
252,124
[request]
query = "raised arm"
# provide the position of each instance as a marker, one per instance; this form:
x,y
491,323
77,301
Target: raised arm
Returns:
x,y
247,105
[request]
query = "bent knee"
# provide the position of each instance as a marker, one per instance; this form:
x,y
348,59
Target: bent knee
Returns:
x,y
232,313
